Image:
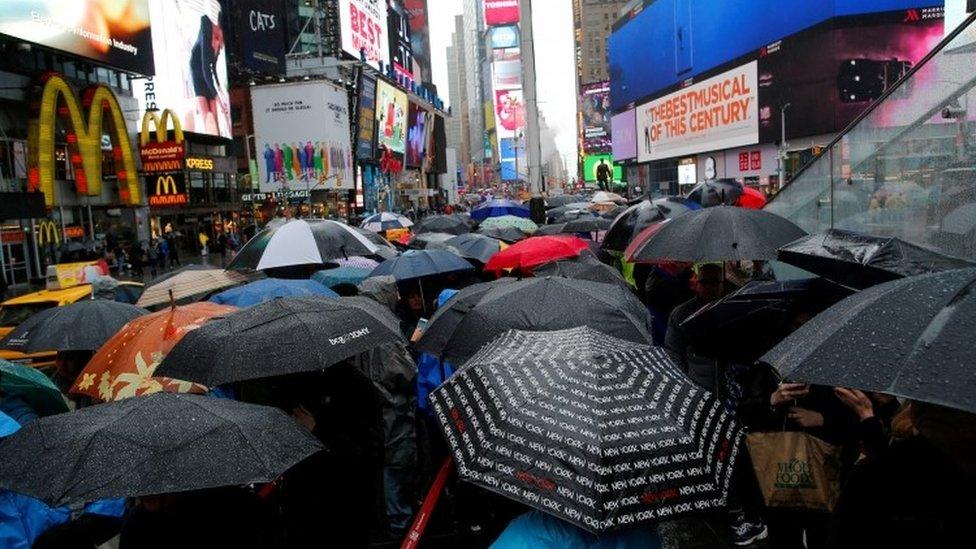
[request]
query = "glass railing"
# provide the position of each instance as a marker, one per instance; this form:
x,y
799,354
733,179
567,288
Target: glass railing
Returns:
x,y
907,166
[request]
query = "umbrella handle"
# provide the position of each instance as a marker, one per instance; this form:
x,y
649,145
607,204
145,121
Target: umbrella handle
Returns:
x,y
427,509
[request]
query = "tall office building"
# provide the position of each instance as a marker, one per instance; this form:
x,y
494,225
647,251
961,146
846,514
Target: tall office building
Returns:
x,y
592,22
457,125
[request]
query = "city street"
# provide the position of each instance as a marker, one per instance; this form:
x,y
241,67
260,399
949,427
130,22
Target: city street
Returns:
x,y
506,274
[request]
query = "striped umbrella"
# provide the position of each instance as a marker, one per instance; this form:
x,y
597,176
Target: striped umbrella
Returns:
x,y
520,223
598,431
301,242
190,284
384,221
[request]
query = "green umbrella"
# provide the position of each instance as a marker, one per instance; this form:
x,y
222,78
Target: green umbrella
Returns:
x,y
525,225
34,387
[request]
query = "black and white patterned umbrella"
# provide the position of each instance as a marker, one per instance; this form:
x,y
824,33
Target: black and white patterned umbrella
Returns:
x,y
598,431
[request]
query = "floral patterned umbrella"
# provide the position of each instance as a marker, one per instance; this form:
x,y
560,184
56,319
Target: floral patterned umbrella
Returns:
x,y
124,366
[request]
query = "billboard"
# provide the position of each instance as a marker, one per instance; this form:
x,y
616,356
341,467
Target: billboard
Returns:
x,y
401,54
594,106
717,113
506,69
419,36
623,129
507,160
509,112
301,133
366,127
260,33
362,24
161,154
391,117
419,128
167,190
501,12
191,72
593,161
504,37
116,34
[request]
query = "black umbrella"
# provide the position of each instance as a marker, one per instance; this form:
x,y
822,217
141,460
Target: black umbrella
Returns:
x,y
911,338
584,267
157,444
301,242
631,222
462,326
562,216
425,241
716,193
598,431
451,224
722,233
278,337
859,261
475,246
82,326
505,234
384,249
415,264
561,200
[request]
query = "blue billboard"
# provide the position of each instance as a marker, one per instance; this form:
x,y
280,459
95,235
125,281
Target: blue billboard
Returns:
x,y
664,42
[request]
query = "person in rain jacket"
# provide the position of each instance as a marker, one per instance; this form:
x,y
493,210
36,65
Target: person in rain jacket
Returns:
x,y
432,371
538,530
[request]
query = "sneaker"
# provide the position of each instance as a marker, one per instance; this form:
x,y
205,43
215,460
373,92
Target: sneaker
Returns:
x,y
747,533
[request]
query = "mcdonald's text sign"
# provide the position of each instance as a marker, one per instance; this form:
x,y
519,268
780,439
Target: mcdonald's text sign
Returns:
x,y
169,190
161,154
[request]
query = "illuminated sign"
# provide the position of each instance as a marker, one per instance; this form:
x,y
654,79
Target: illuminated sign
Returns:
x,y
199,163
161,155
48,233
84,136
168,192
74,231
363,28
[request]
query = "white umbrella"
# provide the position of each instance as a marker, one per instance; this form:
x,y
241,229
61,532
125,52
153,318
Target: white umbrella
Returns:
x,y
302,242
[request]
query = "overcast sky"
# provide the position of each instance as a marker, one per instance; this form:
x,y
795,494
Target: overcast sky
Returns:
x,y
553,25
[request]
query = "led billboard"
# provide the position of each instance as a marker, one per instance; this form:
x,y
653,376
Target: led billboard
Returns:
x,y
362,25
594,107
392,110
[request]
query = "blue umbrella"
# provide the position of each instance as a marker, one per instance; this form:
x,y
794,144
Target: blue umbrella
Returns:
x,y
269,288
8,425
331,278
420,263
498,207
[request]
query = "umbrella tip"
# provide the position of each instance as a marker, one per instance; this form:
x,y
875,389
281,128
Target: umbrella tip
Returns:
x,y
172,300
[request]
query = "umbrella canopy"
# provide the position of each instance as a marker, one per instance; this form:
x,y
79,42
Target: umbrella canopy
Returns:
x,y
960,221
631,222
159,444
505,234
384,221
190,284
301,242
600,432
424,241
451,224
561,211
260,291
384,249
859,261
535,251
39,392
582,225
673,206
520,223
358,262
716,193
279,337
82,326
751,198
604,196
584,267
342,275
174,272
420,263
475,246
722,233
125,366
465,323
911,338
497,208
561,200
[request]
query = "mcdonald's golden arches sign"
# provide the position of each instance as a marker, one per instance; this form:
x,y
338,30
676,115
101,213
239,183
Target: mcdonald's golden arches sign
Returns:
x,y
48,233
85,123
169,190
163,154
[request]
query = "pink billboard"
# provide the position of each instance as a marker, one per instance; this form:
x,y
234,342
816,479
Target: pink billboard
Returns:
x,y
501,12
509,112
623,130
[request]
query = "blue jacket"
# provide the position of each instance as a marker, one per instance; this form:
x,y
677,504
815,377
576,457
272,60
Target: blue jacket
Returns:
x,y
432,371
538,530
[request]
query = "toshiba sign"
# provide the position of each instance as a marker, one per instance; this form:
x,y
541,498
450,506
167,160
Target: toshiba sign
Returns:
x,y
718,113
501,12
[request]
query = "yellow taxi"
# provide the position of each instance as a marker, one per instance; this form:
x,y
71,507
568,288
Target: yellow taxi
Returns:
x,y
61,290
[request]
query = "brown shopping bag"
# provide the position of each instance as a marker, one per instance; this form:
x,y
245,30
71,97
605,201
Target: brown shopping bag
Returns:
x,y
795,469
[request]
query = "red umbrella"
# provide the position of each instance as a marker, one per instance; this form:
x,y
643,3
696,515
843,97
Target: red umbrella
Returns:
x,y
751,198
535,251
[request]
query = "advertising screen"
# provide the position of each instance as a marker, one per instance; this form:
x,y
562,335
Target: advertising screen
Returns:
x,y
624,132
506,69
401,54
391,117
362,24
191,66
509,112
593,161
504,37
366,126
501,12
717,113
260,32
417,135
594,105
111,33
301,133
507,163
419,35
